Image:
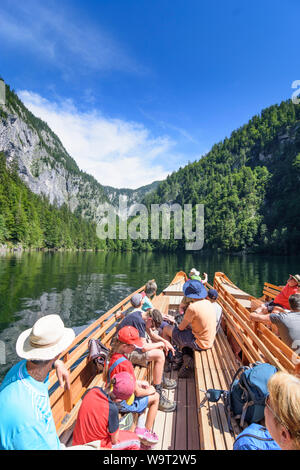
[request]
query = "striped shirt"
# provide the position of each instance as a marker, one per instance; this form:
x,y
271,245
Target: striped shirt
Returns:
x,y
26,421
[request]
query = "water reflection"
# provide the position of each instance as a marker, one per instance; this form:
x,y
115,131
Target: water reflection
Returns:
x,y
82,286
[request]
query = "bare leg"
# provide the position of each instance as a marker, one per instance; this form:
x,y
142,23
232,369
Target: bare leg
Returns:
x,y
158,358
167,332
152,411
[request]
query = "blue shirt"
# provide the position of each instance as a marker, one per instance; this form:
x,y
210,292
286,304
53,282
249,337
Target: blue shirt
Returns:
x,y
146,304
255,437
26,421
134,319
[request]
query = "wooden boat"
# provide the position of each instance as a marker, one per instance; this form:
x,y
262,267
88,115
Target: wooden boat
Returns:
x,y
196,424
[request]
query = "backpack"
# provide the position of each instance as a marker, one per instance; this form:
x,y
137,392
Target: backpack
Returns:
x,y
255,437
97,353
245,399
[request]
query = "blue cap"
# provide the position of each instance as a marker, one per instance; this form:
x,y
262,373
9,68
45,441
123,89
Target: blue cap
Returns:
x,y
136,300
212,294
194,289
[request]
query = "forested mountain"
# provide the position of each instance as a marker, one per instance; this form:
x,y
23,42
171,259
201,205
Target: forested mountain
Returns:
x,y
30,220
249,185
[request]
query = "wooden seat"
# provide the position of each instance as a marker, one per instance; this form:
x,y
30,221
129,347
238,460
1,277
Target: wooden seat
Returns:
x,y
215,368
270,291
65,432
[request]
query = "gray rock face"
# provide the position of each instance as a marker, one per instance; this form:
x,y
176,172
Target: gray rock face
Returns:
x,y
42,163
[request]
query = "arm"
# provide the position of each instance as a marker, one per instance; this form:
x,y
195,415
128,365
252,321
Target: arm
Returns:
x,y
115,437
264,318
149,346
184,324
62,373
158,339
204,281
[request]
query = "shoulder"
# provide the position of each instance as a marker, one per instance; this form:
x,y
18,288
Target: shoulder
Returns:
x,y
279,317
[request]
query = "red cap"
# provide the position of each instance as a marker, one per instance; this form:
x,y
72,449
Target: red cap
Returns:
x,y
124,385
130,335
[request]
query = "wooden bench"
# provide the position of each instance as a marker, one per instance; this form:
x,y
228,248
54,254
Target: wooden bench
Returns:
x,y
83,375
270,291
65,432
215,368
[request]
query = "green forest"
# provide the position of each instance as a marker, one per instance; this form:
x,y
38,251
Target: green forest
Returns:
x,y
248,184
31,221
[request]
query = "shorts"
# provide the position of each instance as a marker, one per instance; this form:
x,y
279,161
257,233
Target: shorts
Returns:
x,y
138,358
185,339
163,324
138,406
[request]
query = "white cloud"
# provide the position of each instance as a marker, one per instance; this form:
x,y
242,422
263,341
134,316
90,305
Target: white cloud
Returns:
x,y
117,153
58,35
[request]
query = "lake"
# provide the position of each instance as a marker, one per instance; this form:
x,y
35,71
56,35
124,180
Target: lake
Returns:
x,y
81,286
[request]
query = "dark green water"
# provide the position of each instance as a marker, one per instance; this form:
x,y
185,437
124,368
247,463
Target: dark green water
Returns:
x,y
82,286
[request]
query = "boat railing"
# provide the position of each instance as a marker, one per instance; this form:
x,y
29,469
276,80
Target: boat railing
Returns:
x,y
76,360
255,340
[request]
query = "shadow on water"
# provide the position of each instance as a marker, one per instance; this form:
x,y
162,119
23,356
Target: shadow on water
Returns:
x,y
82,286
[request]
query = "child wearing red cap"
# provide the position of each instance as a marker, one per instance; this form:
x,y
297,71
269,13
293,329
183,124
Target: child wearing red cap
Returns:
x,y
98,416
145,395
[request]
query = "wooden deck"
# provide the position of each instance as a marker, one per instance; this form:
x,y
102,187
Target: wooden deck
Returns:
x,y
179,430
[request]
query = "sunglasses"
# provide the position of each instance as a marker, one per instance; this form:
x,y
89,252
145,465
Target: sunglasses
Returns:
x,y
267,404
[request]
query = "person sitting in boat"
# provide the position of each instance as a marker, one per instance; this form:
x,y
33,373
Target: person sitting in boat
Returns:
x,y
145,396
98,415
281,301
26,421
153,349
197,329
287,322
195,275
212,296
148,294
282,410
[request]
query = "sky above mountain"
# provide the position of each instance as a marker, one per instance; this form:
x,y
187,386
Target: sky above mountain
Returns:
x,y
137,88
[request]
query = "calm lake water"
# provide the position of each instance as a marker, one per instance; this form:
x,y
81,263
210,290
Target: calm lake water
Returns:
x,y
82,286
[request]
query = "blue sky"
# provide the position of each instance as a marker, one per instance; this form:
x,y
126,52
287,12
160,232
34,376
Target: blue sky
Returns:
x,y
137,88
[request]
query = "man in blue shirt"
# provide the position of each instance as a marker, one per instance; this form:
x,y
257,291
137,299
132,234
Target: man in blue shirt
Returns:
x,y
26,421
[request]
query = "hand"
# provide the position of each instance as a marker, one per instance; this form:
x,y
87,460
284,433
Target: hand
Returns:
x,y
119,315
168,347
62,373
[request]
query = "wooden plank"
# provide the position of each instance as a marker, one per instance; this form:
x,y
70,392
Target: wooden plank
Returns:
x,y
206,437
192,421
181,416
216,375
215,419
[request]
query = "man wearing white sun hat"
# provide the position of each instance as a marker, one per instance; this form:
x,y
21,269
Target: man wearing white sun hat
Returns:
x,y
26,421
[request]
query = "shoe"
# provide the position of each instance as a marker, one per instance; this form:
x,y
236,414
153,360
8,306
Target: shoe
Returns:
x,y
144,447
165,404
169,384
187,367
146,436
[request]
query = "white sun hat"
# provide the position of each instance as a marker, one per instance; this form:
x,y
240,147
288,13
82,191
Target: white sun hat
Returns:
x,y
194,272
45,340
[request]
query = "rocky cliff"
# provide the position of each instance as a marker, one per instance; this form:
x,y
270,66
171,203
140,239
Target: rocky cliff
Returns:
x,y
44,165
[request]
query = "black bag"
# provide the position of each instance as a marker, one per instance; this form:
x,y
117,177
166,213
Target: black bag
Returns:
x,y
98,353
